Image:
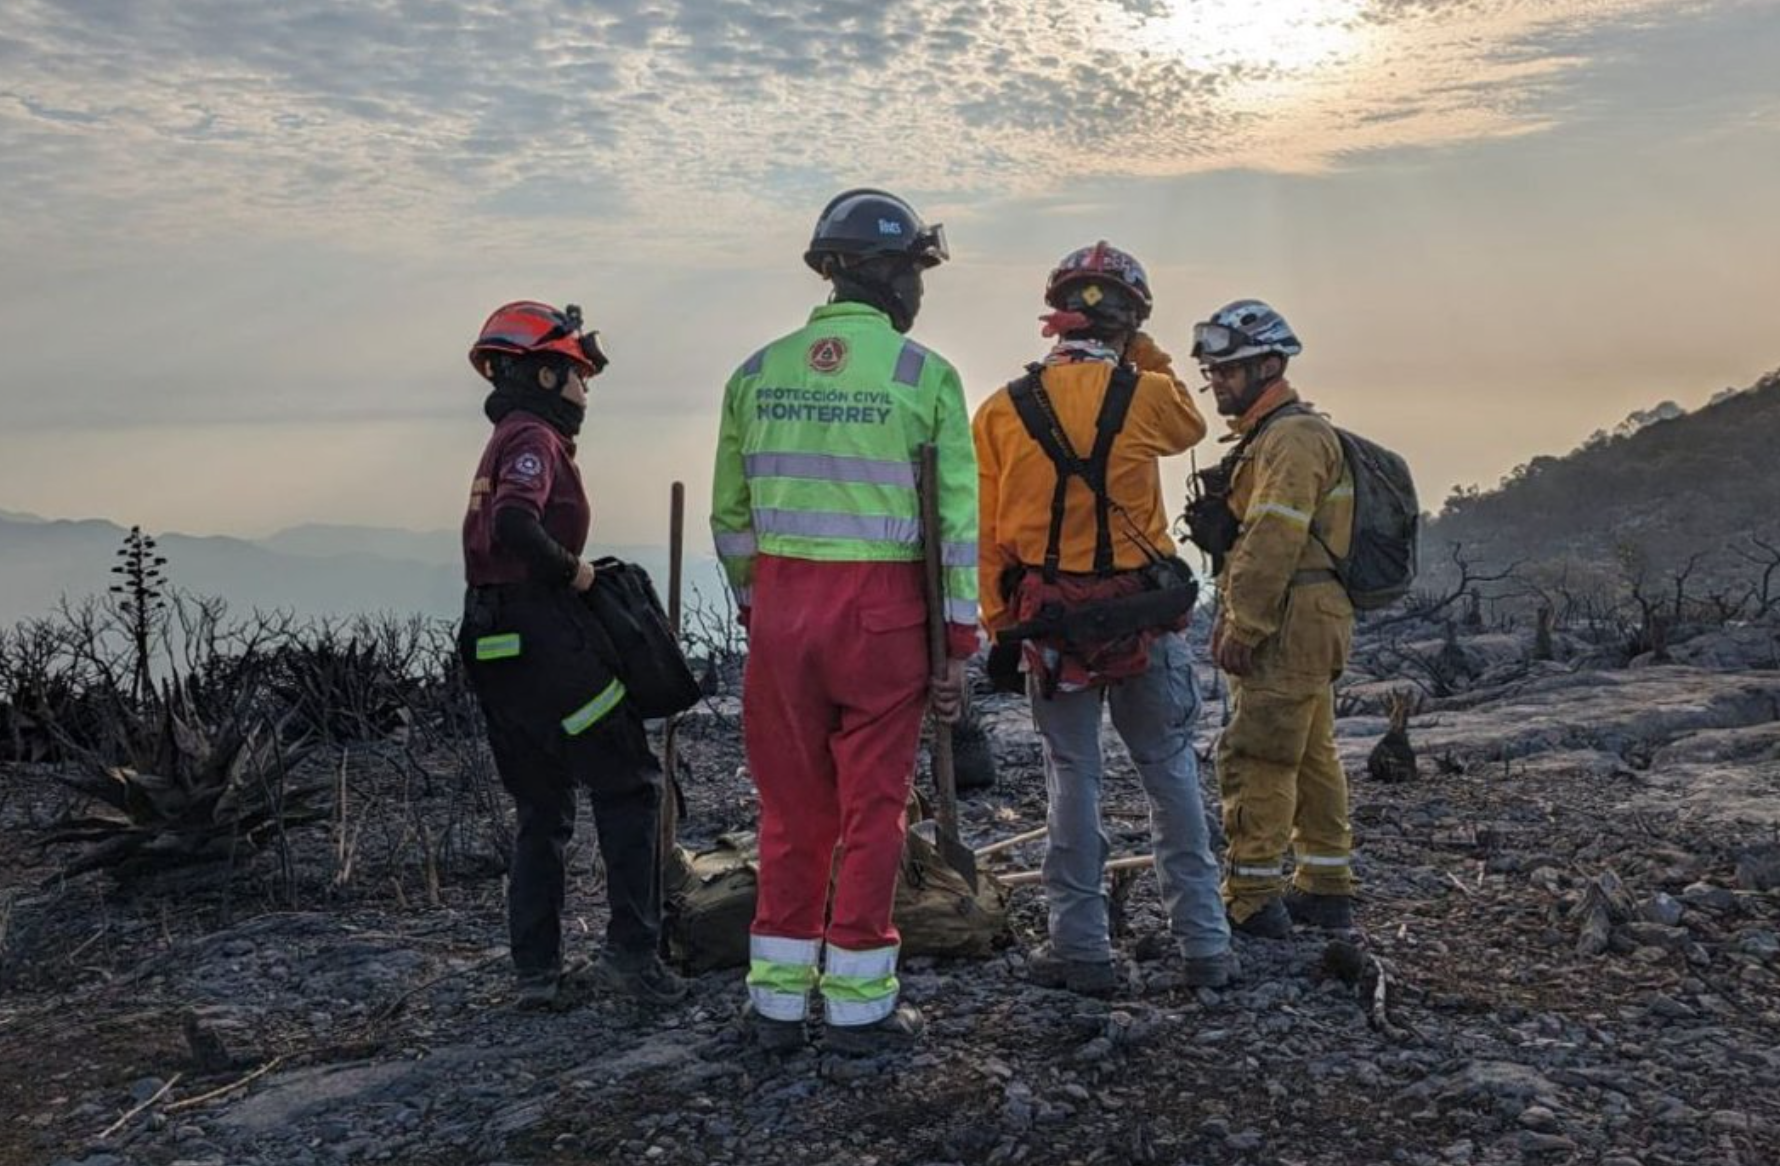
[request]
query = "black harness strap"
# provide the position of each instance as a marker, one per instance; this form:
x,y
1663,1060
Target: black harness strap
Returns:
x,y
1034,407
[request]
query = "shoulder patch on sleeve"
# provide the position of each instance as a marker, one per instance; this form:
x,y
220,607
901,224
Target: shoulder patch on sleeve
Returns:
x,y
524,465
752,366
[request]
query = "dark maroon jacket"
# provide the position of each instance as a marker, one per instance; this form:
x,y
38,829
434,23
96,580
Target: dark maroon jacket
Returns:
x,y
529,466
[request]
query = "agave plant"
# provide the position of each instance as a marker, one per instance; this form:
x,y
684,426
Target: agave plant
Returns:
x,y
192,793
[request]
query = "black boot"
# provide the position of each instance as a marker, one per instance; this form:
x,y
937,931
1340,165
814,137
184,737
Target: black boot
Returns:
x,y
640,975
1328,912
1271,921
1083,977
901,1029
773,1036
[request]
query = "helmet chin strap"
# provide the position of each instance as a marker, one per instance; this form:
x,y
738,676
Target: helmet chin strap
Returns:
x,y
1252,384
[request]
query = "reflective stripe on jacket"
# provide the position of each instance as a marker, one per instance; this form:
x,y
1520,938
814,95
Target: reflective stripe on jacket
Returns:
x,y
1291,480
1016,478
818,449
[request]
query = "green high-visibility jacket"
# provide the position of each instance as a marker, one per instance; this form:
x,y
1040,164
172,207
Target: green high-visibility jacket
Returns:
x,y
819,448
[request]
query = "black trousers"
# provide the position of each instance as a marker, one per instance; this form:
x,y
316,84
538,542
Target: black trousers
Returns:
x,y
559,670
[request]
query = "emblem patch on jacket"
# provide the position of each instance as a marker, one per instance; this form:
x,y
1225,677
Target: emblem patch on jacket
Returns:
x,y
828,354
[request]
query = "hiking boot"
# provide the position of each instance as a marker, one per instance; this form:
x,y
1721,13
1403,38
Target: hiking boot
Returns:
x,y
1210,971
1328,912
1083,977
773,1036
539,991
641,976
1272,921
901,1029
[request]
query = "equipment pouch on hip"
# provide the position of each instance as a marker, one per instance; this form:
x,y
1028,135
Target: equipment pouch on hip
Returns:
x,y
1003,667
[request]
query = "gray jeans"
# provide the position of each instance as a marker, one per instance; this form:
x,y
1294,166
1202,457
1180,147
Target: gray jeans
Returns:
x,y
1154,715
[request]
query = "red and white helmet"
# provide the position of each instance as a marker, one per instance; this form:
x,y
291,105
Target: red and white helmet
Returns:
x,y
1104,264
530,328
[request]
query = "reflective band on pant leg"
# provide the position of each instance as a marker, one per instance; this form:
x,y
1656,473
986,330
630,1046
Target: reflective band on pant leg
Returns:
x,y
781,973
1258,872
859,987
1323,860
594,711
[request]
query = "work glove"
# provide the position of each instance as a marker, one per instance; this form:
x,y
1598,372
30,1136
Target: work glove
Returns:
x,y
1148,356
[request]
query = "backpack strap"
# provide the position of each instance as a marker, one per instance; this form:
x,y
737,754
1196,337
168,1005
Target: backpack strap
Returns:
x,y
1296,408
1034,408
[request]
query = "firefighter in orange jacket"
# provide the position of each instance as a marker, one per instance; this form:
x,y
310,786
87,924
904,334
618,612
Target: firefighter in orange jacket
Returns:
x,y
1284,631
1104,397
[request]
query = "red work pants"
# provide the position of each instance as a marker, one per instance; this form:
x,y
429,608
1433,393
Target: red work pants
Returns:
x,y
832,702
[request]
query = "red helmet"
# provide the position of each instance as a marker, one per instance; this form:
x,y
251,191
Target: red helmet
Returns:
x,y
529,328
1100,263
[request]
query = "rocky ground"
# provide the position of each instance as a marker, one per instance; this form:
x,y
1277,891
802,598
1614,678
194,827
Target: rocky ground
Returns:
x,y
1571,953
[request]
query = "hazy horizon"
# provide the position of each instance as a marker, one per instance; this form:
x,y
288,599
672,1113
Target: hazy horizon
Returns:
x,y
243,250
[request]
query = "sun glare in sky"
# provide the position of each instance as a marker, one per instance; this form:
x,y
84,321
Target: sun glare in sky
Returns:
x,y
1280,36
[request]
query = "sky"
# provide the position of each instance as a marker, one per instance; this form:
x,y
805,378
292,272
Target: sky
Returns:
x,y
244,248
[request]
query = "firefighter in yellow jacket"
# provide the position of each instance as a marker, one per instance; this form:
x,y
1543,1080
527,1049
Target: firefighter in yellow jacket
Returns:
x,y
1283,633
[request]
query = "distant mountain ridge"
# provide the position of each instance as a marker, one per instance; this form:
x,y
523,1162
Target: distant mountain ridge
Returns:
x,y
1666,485
309,570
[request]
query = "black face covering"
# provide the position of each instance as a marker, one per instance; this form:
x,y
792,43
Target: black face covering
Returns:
x,y
893,288
522,393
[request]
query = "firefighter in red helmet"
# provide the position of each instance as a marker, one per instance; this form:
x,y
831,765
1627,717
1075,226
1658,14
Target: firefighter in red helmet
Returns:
x,y
543,668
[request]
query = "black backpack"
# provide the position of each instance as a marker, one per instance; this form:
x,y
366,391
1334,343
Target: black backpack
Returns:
x,y
1382,557
1381,561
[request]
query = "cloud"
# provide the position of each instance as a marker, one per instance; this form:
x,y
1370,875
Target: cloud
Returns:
x,y
390,121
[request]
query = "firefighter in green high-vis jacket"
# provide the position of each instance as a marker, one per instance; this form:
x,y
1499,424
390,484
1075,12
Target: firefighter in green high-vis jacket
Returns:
x,y
818,524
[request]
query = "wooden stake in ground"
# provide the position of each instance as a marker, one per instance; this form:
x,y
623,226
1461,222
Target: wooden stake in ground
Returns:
x,y
670,800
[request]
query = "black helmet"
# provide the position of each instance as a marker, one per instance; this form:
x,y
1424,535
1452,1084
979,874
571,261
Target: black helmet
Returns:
x,y
867,224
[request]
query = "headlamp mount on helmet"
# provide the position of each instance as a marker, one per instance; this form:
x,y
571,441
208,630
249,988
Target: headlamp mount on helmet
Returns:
x,y
527,330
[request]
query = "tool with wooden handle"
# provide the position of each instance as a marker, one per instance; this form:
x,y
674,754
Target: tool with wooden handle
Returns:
x,y
951,848
670,801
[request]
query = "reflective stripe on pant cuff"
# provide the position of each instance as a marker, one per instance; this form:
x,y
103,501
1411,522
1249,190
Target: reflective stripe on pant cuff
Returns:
x,y
781,972
779,1005
851,1013
1324,860
859,987
1258,872
780,949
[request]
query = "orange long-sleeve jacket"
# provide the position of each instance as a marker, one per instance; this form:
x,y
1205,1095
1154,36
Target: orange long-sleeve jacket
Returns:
x,y
1015,477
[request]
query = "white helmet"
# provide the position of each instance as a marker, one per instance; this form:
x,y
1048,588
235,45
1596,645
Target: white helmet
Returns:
x,y
1241,331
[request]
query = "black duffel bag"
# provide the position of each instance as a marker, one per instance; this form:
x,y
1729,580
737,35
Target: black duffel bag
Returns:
x,y
656,676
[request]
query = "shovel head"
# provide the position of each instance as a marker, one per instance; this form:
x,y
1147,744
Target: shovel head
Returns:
x,y
958,856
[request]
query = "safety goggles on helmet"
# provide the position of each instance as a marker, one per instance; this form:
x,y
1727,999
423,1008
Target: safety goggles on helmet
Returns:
x,y
929,247
568,325
1215,342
